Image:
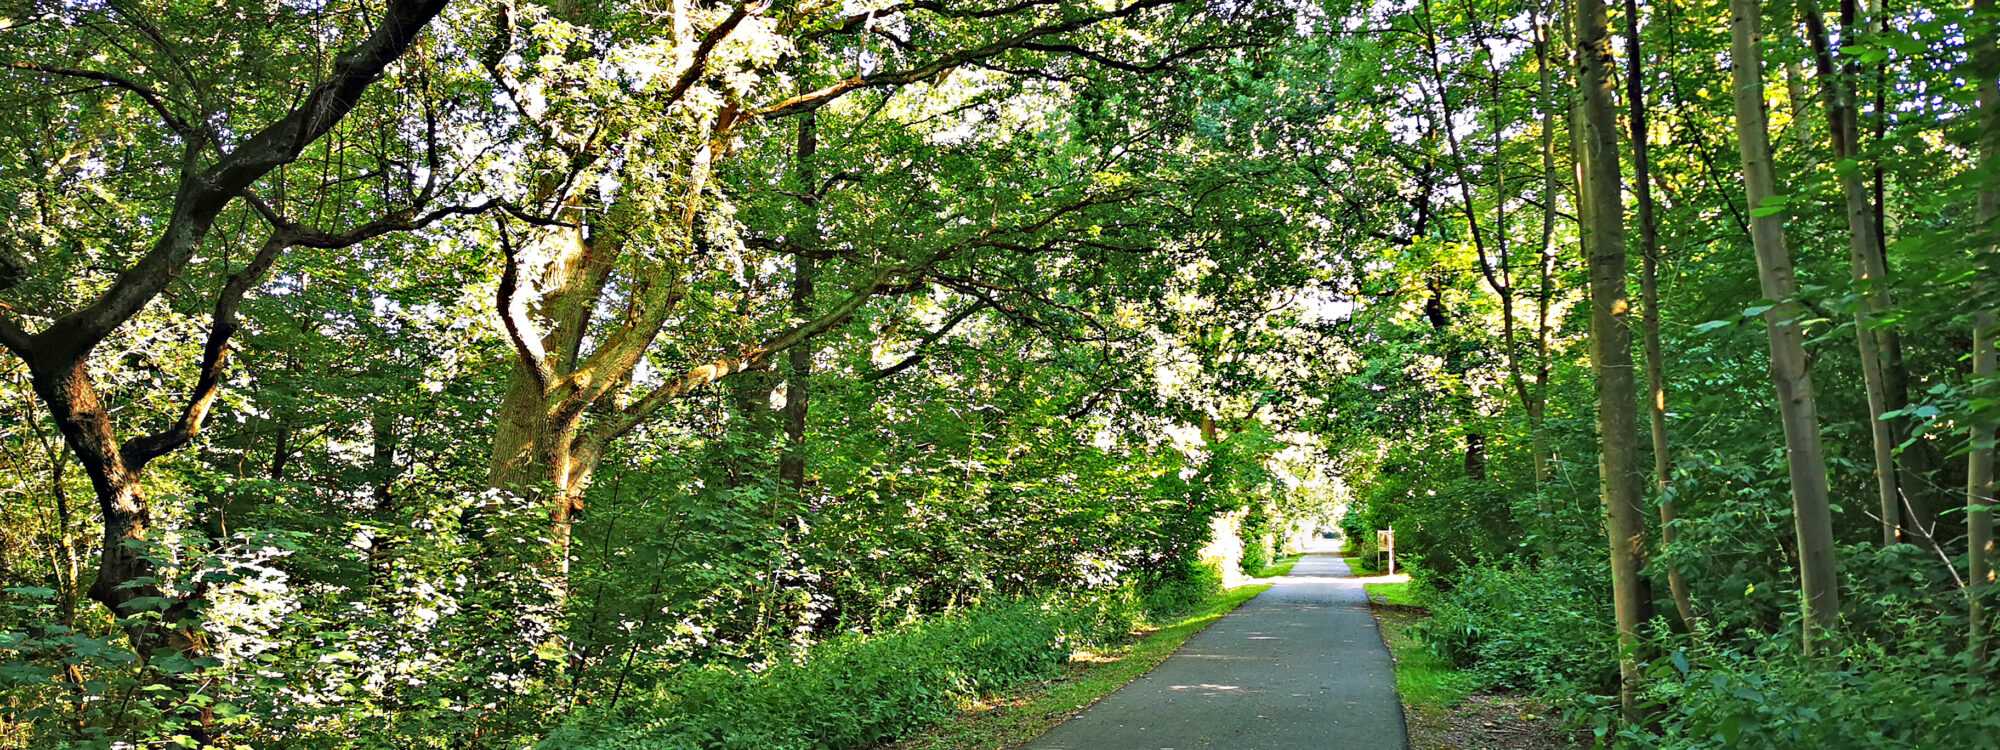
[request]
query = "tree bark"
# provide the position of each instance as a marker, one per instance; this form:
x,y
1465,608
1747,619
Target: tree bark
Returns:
x,y
1611,344
1791,371
1649,290
805,272
1980,547
1537,406
1865,254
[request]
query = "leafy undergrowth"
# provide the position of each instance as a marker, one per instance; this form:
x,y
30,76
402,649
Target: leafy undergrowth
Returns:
x,y
1279,567
863,690
1016,716
1424,678
1445,707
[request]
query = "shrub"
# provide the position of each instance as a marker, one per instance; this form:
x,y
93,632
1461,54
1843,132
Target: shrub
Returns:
x,y
1184,589
1527,626
850,691
1709,694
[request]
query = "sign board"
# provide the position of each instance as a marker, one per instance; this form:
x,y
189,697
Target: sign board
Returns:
x,y
1385,543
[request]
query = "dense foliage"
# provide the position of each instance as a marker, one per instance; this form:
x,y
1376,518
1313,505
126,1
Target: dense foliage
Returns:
x,y
452,373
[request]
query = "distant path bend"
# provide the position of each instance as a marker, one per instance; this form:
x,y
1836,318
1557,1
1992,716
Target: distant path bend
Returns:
x,y
1299,667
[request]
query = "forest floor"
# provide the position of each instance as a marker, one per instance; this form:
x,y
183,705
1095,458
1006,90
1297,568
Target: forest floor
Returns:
x,y
1442,706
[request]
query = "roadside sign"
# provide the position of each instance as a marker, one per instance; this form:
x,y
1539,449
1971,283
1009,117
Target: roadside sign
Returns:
x,y
1385,543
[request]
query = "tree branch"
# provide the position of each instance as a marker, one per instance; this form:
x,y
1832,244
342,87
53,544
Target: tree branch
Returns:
x,y
223,324
201,197
921,352
152,98
813,100
514,314
698,62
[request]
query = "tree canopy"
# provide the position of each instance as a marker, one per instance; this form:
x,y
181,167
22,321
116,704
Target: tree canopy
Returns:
x,y
435,373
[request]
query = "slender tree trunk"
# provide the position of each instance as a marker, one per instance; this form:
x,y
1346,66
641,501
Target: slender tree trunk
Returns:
x,y
1865,252
1537,406
383,471
1979,499
1611,344
1795,90
1791,371
1649,290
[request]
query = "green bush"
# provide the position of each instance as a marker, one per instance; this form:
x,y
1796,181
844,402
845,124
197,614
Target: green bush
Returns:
x,y
1709,694
1527,626
1183,589
858,691
847,692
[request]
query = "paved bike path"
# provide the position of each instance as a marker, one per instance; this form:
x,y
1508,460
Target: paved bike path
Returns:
x,y
1299,667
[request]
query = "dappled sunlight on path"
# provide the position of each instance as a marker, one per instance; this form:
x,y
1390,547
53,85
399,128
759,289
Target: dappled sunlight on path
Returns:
x,y
1300,666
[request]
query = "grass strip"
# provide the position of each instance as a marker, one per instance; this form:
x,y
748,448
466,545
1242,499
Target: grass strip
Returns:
x,y
1014,717
1363,566
1396,594
1279,567
1426,680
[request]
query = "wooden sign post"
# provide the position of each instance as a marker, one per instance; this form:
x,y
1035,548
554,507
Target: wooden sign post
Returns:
x,y
1385,541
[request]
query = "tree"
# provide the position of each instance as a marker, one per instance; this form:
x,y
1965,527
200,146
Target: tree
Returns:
x,y
213,172
1791,370
1649,286
1874,340
1980,547
564,407
1611,342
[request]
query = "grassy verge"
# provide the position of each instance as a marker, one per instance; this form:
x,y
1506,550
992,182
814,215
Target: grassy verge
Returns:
x,y
1281,566
1426,680
1397,594
1013,718
1363,566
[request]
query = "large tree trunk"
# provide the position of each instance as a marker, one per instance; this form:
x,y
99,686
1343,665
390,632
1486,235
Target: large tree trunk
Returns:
x,y
1649,290
798,373
1865,252
127,579
1611,344
1791,371
536,456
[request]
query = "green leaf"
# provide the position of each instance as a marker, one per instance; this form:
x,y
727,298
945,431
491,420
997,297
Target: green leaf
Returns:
x,y
148,603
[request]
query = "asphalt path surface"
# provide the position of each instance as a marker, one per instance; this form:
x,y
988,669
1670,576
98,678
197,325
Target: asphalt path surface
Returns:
x,y
1299,667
